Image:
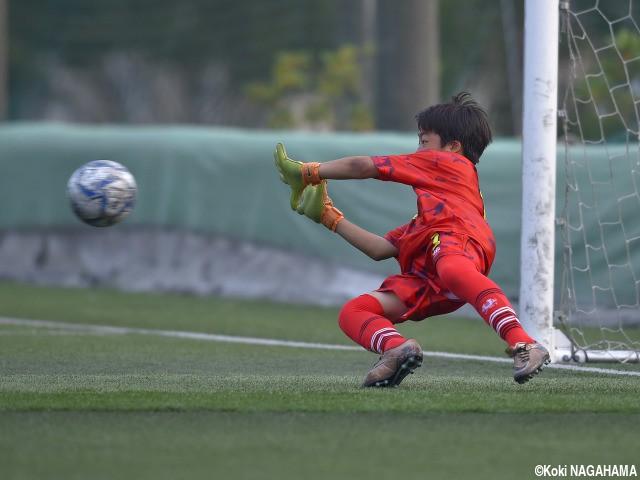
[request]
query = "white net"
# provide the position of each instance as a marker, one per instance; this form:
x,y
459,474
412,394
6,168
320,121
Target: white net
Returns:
x,y
600,223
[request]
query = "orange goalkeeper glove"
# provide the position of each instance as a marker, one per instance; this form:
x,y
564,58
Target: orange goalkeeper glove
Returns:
x,y
295,174
316,204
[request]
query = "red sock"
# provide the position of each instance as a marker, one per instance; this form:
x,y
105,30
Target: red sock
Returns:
x,y
462,278
361,319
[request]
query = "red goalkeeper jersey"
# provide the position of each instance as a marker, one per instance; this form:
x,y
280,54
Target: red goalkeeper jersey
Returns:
x,y
449,201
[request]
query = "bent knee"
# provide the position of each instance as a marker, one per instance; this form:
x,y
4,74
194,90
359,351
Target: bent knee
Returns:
x,y
366,303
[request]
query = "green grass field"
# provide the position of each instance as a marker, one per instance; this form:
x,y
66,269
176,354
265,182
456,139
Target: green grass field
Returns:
x,y
90,403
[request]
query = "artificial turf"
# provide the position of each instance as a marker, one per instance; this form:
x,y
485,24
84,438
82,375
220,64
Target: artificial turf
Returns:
x,y
84,403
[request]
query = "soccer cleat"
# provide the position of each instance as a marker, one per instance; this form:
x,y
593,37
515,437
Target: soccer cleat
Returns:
x,y
395,364
528,360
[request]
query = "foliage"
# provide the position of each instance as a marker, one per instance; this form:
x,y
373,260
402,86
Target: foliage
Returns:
x,y
323,91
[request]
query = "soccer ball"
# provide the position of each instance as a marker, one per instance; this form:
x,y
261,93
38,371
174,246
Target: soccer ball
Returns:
x,y
102,193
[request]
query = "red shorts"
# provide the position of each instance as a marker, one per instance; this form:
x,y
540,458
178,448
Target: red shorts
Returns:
x,y
420,288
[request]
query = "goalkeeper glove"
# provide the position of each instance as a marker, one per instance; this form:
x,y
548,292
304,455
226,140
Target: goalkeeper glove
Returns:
x,y
295,174
316,204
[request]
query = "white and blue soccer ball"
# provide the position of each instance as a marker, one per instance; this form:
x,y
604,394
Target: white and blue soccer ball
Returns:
x,y
102,193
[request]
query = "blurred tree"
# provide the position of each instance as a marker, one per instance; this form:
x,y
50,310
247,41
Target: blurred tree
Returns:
x,y
193,56
513,61
320,92
4,38
144,61
474,56
408,61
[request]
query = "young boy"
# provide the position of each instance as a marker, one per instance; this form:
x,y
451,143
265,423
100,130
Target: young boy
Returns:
x,y
444,253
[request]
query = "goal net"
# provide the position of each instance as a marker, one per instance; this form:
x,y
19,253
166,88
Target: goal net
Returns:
x,y
599,226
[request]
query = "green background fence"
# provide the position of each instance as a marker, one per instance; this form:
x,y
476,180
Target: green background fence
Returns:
x,y
222,182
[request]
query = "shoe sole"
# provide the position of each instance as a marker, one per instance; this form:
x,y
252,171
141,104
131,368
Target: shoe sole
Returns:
x,y
529,376
408,366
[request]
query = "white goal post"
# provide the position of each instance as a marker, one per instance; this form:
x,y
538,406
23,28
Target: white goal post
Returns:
x,y
539,168
539,125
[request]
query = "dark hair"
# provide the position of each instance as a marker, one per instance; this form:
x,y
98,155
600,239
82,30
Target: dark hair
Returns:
x,y
462,119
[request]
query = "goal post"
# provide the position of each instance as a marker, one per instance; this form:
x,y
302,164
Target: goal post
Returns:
x,y
582,69
539,125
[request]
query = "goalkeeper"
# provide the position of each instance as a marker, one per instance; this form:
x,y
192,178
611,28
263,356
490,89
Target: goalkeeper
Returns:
x,y
445,252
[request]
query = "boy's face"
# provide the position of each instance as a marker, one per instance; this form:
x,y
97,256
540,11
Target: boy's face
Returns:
x,y
431,141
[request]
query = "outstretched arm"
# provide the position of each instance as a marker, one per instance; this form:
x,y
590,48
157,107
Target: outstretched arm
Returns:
x,y
316,205
299,175
308,182
372,245
348,168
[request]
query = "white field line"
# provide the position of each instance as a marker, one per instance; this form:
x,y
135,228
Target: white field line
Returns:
x,y
110,330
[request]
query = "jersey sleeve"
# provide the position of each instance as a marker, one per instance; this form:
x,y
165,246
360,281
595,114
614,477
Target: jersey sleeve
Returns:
x,y
414,170
393,237
384,166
